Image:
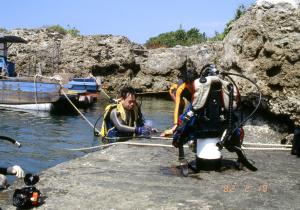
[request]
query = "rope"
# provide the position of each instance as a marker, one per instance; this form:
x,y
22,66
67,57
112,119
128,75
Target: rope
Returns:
x,y
245,143
120,143
64,93
123,138
79,111
57,78
266,148
160,137
108,97
165,145
35,95
273,145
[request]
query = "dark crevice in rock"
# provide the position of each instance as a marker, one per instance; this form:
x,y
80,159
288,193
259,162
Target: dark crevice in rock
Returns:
x,y
140,52
104,71
273,71
292,60
134,67
267,53
264,39
281,121
182,71
257,53
236,67
275,87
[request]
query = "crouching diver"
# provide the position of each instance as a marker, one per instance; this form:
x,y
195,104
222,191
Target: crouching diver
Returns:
x,y
182,92
211,122
123,119
12,170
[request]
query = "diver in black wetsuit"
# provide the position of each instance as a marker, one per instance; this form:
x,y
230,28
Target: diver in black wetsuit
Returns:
x,y
124,118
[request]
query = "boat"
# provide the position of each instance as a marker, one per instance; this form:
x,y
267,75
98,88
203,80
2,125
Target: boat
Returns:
x,y
34,93
86,90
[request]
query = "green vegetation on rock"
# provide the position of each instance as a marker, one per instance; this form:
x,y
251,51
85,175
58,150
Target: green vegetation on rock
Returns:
x,y
241,10
192,36
3,30
70,30
178,37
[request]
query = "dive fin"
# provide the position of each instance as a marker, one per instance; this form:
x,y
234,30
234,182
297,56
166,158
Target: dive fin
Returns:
x,y
184,167
243,159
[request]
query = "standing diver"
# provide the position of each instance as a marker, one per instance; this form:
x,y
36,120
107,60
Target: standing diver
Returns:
x,y
212,121
124,118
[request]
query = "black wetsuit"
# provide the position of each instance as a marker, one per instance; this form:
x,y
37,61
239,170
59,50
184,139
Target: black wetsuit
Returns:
x,y
120,125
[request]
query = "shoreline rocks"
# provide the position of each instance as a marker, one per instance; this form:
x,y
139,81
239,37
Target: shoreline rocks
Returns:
x,y
262,45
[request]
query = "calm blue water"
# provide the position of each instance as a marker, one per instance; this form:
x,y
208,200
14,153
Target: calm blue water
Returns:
x,y
44,136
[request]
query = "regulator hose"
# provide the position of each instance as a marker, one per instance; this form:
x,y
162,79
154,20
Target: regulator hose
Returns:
x,y
259,100
13,141
110,100
95,124
225,138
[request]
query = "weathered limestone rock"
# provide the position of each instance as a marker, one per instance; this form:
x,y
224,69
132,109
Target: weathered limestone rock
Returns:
x,y
54,52
264,44
164,65
269,3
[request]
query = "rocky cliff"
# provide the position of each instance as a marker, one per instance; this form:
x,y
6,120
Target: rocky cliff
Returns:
x,y
264,44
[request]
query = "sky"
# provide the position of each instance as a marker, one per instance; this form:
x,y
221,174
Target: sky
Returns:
x,y
136,19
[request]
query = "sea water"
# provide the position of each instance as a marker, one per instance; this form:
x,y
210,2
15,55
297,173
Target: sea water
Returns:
x,y
45,137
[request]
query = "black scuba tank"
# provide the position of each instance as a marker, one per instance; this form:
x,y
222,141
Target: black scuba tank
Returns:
x,y
212,116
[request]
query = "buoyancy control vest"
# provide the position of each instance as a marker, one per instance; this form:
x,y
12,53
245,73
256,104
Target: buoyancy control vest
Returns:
x,y
211,104
108,126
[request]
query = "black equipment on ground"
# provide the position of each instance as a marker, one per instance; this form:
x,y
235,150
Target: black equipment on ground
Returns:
x,y
296,143
29,196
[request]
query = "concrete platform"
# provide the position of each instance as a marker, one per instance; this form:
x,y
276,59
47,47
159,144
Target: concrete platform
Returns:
x,y
143,177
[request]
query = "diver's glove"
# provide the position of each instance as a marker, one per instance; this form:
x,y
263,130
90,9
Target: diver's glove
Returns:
x,y
188,116
143,131
3,182
16,170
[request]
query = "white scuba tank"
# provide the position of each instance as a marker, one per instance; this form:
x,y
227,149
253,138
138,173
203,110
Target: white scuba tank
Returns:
x,y
207,149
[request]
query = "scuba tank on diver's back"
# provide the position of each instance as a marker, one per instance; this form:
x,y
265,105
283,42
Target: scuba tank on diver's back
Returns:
x,y
212,122
212,116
